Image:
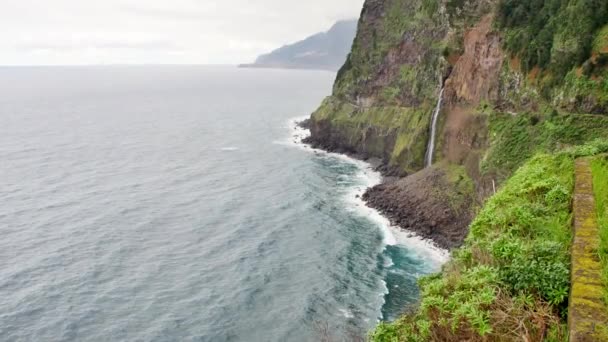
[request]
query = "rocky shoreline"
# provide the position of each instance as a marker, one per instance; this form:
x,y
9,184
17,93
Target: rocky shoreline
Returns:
x,y
418,203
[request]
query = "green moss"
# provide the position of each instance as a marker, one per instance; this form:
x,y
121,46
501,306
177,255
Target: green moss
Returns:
x,y
600,188
407,74
462,189
389,94
373,130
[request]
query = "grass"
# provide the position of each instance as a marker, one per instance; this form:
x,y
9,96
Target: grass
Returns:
x,y
514,139
462,186
601,41
600,187
511,280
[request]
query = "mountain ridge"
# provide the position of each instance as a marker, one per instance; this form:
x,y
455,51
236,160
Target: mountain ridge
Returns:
x,y
322,51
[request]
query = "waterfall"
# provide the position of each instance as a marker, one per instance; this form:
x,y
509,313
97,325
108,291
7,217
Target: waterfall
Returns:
x,y
431,146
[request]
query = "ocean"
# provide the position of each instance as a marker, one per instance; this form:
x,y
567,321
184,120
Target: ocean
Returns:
x,y
177,203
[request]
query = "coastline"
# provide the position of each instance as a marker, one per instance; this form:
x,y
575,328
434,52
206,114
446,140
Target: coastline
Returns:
x,y
421,203
374,173
394,238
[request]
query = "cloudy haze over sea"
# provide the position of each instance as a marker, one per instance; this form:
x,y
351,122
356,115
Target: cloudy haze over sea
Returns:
x,y
155,31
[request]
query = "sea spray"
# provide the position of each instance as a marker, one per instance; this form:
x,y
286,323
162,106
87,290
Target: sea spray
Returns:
x,y
431,145
396,283
260,238
368,177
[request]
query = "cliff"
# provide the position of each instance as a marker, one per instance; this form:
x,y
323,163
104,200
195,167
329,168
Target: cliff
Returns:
x,y
324,51
519,78
406,51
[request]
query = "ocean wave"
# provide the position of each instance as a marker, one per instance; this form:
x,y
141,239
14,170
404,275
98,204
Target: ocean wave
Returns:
x,y
297,134
368,177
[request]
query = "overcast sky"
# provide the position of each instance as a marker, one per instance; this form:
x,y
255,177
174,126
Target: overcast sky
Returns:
x,y
158,31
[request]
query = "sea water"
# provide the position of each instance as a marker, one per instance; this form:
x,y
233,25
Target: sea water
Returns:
x,y
177,203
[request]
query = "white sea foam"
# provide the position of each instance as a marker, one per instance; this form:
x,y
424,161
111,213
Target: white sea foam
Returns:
x,y
419,247
229,149
346,313
367,178
296,134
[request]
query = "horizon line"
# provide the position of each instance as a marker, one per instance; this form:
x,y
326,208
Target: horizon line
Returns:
x,y
117,64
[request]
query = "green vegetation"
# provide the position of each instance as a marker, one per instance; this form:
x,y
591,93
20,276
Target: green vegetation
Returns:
x,y
589,87
377,37
462,188
600,45
513,272
553,34
511,279
516,138
367,54
561,44
399,134
600,188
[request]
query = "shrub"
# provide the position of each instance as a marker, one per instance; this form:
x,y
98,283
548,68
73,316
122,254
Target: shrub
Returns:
x,y
512,276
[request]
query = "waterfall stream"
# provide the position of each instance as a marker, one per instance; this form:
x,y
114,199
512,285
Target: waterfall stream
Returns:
x,y
431,146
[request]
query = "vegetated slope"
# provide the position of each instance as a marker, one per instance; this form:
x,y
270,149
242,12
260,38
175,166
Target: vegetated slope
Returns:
x,y
510,281
325,51
563,46
520,89
405,51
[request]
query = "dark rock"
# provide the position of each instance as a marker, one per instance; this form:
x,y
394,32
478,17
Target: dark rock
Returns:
x,y
305,124
420,204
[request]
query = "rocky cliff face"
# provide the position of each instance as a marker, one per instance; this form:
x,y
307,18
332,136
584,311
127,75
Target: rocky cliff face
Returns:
x,y
476,73
404,53
394,75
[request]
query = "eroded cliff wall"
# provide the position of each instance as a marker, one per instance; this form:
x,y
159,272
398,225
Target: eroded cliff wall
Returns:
x,y
495,105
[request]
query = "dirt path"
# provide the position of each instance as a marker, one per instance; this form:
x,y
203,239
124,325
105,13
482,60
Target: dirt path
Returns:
x,y
588,314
